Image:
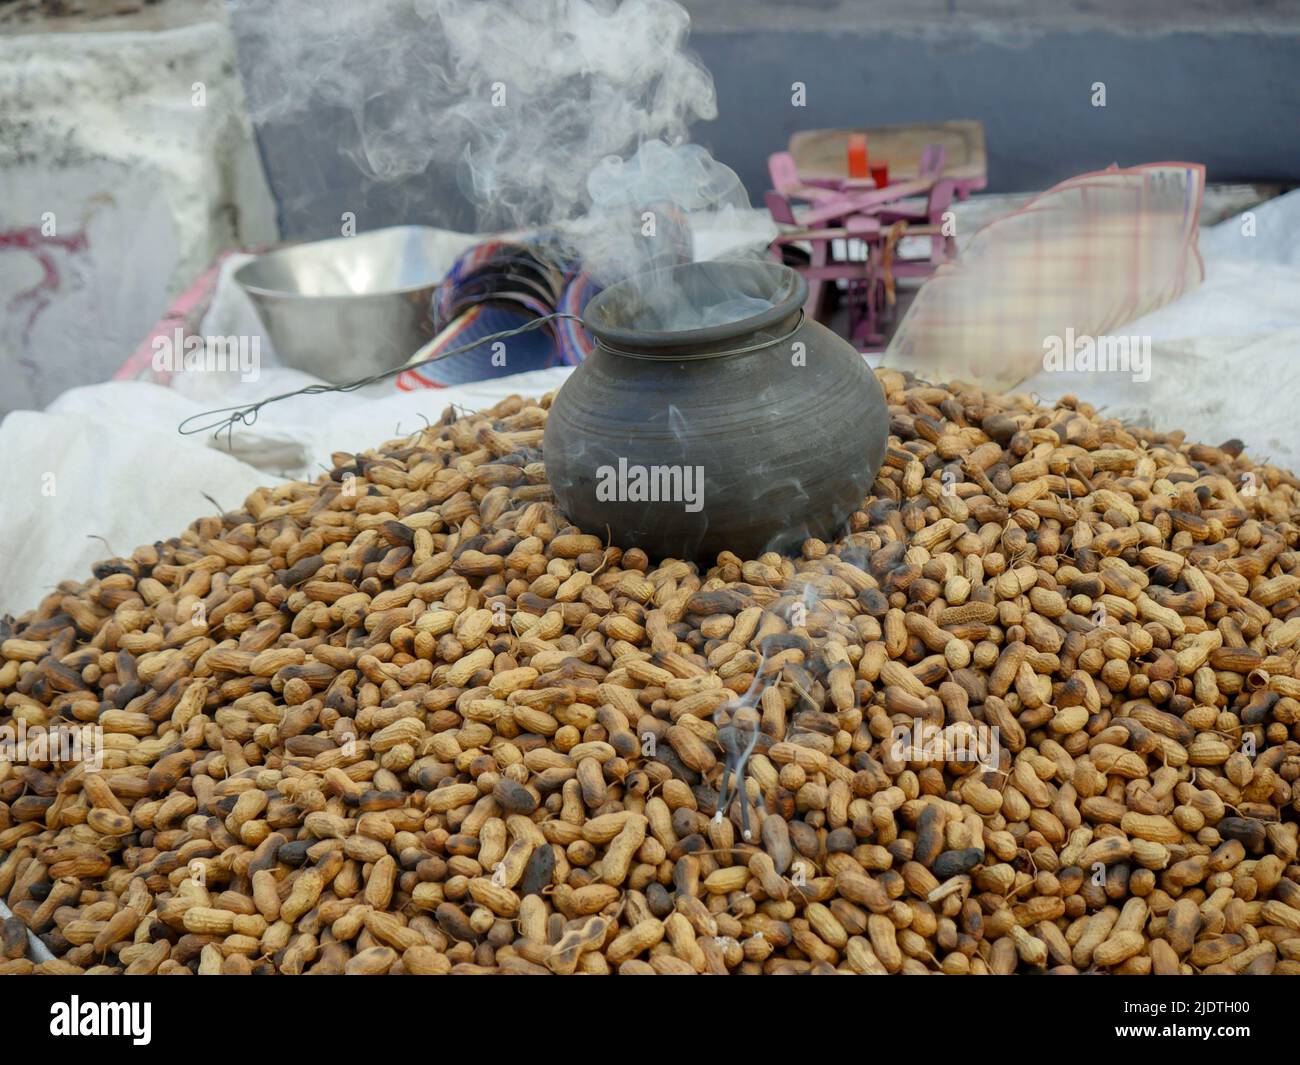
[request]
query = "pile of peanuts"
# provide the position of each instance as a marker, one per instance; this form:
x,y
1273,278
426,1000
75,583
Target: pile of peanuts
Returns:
x,y
408,720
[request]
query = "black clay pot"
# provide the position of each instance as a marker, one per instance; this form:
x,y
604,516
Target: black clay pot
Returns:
x,y
687,439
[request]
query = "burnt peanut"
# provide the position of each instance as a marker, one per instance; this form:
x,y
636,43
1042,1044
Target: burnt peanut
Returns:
x,y
1036,709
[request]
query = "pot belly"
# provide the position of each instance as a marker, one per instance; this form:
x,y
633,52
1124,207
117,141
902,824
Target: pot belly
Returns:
x,y
742,453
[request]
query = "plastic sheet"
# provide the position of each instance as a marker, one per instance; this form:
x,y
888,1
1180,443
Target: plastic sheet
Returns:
x,y
1076,263
83,483
1224,361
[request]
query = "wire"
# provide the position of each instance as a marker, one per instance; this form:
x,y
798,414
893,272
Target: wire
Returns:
x,y
247,415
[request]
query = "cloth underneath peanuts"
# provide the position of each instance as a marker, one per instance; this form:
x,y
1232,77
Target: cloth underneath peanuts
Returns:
x,y
103,469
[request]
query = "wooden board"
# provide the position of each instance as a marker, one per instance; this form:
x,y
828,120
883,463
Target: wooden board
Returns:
x,y
822,154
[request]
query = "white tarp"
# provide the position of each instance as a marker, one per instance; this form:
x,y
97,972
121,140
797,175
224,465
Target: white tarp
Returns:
x,y
107,462
1225,359
120,471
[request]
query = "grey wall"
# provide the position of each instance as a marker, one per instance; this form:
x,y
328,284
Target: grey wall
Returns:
x,y
1223,90
315,180
1231,101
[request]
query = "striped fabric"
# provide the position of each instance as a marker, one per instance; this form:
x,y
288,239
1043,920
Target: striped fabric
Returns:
x,y
494,287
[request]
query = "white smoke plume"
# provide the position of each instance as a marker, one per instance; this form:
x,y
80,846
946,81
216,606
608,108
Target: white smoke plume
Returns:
x,y
571,114
637,205
523,97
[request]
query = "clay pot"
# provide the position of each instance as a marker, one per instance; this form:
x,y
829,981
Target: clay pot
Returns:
x,y
746,436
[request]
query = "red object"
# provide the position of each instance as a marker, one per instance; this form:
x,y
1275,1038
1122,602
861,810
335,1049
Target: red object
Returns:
x,y
858,167
185,313
880,174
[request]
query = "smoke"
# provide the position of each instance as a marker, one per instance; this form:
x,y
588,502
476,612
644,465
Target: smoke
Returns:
x,y
523,97
568,113
640,207
642,220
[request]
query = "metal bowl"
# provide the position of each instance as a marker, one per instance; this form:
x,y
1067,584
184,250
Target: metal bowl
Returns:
x,y
350,307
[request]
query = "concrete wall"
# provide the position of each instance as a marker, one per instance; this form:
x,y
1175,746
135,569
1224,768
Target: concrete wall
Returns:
x,y
119,185
1228,100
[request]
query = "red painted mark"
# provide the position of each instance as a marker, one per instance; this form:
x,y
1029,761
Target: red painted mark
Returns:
x,y
31,240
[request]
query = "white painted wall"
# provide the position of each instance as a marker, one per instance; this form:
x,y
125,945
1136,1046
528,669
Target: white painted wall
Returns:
x,y
119,184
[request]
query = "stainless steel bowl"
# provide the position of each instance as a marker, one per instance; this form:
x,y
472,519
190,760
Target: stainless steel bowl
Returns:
x,y
350,307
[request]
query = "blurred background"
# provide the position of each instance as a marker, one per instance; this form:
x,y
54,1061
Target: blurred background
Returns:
x,y
303,191
1185,79
140,140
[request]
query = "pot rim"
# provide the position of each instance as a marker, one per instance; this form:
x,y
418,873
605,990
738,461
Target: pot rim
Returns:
x,y
789,292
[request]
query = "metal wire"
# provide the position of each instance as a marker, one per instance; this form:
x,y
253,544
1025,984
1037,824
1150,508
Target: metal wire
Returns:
x,y
247,415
